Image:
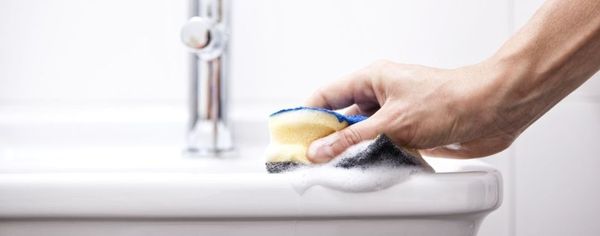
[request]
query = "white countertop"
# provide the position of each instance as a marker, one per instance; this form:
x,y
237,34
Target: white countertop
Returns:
x,y
128,168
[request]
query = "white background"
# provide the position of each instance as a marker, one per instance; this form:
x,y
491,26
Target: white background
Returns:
x,y
127,53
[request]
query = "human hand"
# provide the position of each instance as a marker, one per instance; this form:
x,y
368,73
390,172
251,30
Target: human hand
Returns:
x,y
475,110
452,113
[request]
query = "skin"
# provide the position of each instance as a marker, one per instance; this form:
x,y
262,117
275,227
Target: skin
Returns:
x,y
476,110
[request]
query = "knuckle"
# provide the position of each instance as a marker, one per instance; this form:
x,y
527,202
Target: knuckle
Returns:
x,y
378,67
319,93
381,63
318,98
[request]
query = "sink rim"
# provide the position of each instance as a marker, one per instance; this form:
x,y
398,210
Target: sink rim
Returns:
x,y
219,196
179,191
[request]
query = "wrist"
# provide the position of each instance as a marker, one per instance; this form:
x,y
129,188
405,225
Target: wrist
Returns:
x,y
517,89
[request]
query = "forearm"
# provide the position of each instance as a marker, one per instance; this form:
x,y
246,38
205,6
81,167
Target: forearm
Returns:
x,y
552,55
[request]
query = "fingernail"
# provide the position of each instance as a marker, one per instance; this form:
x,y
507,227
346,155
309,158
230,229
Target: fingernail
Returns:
x,y
320,150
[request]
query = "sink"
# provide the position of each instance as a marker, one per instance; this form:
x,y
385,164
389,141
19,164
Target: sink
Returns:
x,y
126,174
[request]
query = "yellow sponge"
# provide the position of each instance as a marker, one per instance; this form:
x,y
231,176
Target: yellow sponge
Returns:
x,y
292,131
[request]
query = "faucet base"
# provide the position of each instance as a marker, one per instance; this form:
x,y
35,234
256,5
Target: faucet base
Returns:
x,y
209,138
218,153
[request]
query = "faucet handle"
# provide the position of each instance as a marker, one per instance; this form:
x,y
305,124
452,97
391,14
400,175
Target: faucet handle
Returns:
x,y
195,33
204,37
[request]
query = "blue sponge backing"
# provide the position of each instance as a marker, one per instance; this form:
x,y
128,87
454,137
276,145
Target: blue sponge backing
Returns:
x,y
351,119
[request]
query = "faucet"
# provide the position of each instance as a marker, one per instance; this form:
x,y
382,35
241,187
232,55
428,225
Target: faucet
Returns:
x,y
206,36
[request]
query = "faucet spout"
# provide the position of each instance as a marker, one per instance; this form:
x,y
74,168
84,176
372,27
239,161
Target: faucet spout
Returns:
x,y
206,35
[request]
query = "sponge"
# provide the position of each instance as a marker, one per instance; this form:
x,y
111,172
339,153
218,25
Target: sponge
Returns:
x,y
293,130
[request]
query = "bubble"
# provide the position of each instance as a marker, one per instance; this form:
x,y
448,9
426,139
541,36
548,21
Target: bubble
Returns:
x,y
358,179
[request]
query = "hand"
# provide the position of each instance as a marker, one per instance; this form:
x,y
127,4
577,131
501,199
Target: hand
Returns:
x,y
475,110
451,113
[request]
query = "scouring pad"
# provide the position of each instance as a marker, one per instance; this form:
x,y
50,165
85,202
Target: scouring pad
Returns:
x,y
293,130
382,152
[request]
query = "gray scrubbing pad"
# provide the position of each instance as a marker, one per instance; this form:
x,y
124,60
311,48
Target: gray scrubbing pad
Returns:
x,y
278,167
383,152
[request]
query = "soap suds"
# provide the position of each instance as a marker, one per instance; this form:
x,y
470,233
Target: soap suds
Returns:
x,y
359,179
349,180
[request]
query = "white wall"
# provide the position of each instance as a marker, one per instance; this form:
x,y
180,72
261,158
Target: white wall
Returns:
x,y
127,53
557,162
68,51
285,49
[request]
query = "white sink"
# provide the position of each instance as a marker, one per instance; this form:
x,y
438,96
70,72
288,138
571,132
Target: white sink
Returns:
x,y
127,177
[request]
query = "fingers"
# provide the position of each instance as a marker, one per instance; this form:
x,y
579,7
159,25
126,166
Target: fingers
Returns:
x,y
325,149
341,93
367,109
353,110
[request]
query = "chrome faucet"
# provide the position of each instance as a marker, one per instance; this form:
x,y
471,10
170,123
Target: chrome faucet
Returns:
x,y
206,35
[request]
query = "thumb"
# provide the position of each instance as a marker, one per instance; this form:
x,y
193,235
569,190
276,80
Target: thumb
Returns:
x,y
324,149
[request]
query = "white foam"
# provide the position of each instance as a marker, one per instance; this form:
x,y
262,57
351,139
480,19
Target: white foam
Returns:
x,y
369,179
